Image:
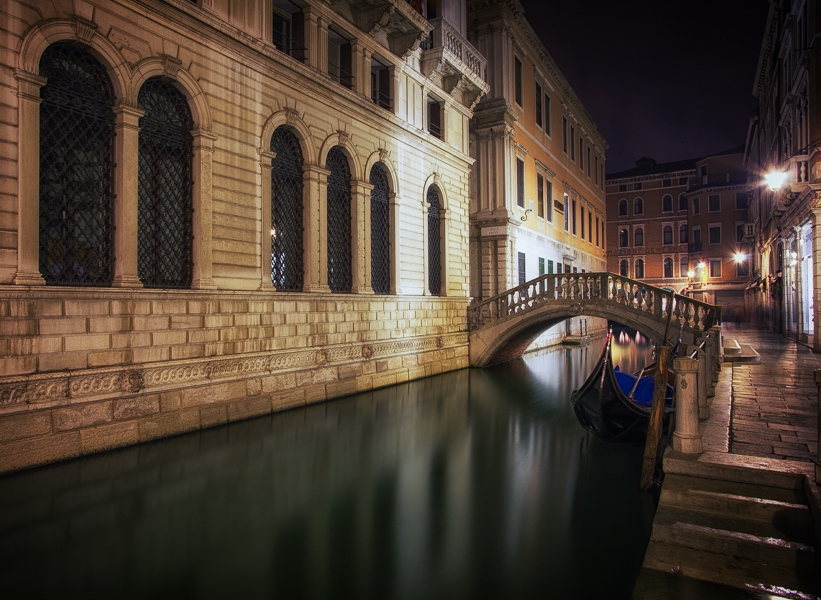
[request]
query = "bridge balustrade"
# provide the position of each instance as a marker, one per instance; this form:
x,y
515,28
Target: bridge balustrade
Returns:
x,y
582,288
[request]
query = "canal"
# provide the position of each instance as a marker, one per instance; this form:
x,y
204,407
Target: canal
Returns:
x,y
473,484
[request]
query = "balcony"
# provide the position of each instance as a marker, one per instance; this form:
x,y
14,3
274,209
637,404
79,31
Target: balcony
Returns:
x,y
453,63
398,21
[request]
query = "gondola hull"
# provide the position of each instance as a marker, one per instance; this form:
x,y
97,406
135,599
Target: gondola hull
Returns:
x,y
602,407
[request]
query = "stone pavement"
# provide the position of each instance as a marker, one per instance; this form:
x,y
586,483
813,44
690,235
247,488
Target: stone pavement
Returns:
x,y
774,401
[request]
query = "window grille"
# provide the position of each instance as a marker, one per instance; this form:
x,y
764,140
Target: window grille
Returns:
x,y
339,221
434,243
165,184
380,231
286,211
76,168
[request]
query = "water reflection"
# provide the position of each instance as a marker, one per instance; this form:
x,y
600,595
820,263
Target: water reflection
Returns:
x,y
472,484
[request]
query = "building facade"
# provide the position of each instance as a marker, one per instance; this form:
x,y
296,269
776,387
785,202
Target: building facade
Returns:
x,y
681,225
783,141
216,209
537,201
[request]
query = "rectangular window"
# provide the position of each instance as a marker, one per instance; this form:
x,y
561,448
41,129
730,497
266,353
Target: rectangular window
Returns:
x,y
572,143
541,266
588,161
715,234
520,182
597,231
739,232
703,172
540,195
696,207
538,105
714,203
522,275
558,267
564,134
581,154
682,181
715,268
682,202
517,79
622,187
582,220
381,85
741,201
574,217
340,60
637,186
550,267
289,30
597,176
547,114
590,226
697,237
548,198
566,213
602,235
742,269
666,182
434,118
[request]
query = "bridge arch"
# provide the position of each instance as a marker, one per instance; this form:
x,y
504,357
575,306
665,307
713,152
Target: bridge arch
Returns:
x,y
501,328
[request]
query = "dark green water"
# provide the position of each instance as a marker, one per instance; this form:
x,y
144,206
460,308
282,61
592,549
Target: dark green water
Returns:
x,y
475,484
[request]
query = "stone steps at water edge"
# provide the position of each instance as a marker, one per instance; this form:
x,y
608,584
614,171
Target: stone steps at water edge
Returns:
x,y
753,537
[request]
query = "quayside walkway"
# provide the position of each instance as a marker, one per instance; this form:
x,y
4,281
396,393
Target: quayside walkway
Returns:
x,y
741,520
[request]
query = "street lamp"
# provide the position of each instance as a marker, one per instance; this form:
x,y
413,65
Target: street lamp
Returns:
x,y
775,179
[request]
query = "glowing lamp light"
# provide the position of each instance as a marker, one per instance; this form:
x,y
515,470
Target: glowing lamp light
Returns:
x,y
691,273
739,257
775,179
701,265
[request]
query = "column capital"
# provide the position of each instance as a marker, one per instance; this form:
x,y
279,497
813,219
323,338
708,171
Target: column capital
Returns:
x,y
29,84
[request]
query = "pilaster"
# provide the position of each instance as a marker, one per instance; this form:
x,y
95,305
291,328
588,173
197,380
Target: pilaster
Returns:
x,y
361,238
28,178
202,225
315,229
265,164
126,188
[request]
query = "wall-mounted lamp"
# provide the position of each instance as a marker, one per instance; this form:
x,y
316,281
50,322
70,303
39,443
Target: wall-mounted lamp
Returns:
x,y
529,210
775,179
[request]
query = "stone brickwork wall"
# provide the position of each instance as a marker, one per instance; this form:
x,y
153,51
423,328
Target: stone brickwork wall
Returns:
x,y
91,373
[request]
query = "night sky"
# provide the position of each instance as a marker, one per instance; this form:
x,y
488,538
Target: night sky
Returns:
x,y
669,80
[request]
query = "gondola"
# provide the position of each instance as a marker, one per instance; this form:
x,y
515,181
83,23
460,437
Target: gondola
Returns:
x,y
615,406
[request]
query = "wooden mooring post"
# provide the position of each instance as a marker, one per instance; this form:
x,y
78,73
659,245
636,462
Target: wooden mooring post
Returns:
x,y
656,426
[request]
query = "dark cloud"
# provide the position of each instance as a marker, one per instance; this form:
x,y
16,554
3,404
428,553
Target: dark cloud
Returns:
x,y
670,79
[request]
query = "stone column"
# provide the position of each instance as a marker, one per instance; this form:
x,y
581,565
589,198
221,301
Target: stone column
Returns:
x,y
265,166
28,178
686,437
817,373
395,208
315,229
202,226
316,39
816,277
425,248
799,288
444,228
126,187
361,238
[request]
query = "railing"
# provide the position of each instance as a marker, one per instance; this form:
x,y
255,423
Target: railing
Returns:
x,y
381,99
445,36
687,313
287,45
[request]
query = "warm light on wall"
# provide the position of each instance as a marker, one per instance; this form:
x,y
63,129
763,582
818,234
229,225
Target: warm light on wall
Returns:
x,y
739,257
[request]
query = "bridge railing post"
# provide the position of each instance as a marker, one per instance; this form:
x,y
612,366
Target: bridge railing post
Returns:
x,y
686,437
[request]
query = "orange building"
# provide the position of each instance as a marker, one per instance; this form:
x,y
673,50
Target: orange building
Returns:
x,y
681,225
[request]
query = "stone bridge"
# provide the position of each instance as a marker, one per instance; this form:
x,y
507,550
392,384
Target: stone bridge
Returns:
x,y
501,328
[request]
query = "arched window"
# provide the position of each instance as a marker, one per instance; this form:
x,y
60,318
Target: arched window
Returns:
x,y
639,236
164,249
339,221
667,203
380,231
434,242
682,233
76,168
683,267
286,211
624,268
623,207
668,267
667,237
623,240
639,268
682,202
638,206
